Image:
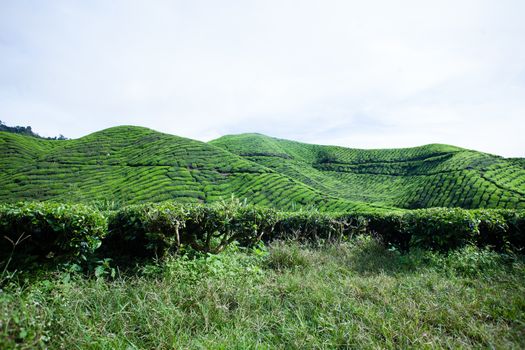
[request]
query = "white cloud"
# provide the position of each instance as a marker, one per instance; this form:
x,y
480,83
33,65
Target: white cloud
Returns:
x,y
359,74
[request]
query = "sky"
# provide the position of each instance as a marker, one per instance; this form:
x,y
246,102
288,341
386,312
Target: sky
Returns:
x,y
363,74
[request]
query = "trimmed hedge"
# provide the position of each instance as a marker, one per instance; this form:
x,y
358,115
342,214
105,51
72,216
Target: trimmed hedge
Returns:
x,y
211,228
440,228
144,230
311,226
390,227
443,229
153,229
39,230
514,233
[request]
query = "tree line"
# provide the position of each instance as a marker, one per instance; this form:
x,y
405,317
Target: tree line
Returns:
x,y
26,130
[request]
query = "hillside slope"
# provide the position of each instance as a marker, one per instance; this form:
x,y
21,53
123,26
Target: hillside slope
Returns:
x,y
133,164
426,176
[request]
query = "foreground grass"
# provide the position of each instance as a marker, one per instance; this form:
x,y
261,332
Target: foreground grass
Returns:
x,y
350,295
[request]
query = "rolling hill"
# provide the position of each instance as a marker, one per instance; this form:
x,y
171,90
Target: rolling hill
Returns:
x,y
434,175
133,164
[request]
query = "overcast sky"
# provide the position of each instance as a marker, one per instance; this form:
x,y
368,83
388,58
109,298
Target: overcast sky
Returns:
x,y
367,74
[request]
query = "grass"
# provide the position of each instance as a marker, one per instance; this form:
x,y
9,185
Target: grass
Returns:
x,y
355,294
133,165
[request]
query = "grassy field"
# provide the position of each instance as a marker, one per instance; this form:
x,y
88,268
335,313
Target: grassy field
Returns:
x,y
356,294
133,165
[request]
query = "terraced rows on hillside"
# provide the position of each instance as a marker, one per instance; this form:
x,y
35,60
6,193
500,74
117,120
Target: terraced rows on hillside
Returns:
x,y
427,176
132,164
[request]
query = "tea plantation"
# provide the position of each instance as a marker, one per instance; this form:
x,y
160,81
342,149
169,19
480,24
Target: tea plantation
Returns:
x,y
129,165
133,239
133,165
428,176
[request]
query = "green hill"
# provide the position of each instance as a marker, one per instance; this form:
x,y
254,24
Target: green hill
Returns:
x,y
427,176
133,164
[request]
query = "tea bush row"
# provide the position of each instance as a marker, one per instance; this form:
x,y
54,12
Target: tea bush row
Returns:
x,y
154,229
41,231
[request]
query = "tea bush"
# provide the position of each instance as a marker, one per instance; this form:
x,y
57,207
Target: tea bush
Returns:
x,y
39,230
309,225
150,229
146,229
154,229
493,228
211,228
441,228
390,227
515,233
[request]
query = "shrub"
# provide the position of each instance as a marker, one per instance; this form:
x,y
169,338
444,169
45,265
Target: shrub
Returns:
x,y
69,231
441,228
309,225
154,229
515,233
492,227
211,228
145,230
254,224
389,227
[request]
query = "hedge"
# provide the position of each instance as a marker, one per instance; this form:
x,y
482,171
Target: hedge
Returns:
x,y
47,230
514,233
440,228
144,230
153,229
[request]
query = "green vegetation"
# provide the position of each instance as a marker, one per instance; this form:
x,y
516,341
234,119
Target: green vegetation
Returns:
x,y
53,232
428,176
122,239
354,294
164,227
134,165
26,130
130,165
40,230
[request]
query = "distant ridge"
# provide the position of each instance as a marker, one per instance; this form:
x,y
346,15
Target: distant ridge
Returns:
x,y
132,164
